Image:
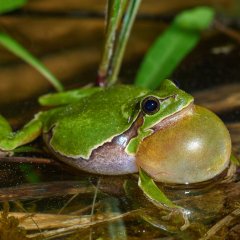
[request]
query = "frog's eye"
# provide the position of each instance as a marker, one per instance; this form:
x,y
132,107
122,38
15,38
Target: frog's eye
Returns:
x,y
150,105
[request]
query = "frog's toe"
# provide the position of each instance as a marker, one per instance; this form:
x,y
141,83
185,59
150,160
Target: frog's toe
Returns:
x,y
5,154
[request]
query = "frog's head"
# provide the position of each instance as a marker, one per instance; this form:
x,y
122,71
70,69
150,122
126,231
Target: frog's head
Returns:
x,y
178,141
163,106
159,108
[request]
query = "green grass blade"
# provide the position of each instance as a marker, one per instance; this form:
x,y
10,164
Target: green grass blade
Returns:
x,y
14,47
9,5
196,19
172,46
164,56
152,191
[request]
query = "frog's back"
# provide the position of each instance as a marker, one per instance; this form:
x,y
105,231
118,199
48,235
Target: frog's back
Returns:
x,y
78,128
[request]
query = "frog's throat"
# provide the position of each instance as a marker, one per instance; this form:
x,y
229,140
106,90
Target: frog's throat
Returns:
x,y
174,117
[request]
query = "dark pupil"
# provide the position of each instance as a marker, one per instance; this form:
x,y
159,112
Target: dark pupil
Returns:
x,y
150,105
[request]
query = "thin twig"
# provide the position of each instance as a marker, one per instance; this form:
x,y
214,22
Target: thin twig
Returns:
x,y
29,160
226,221
227,31
44,190
85,209
67,203
67,230
93,206
30,216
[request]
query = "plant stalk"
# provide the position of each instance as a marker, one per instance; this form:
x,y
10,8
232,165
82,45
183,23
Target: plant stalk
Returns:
x,y
123,37
115,11
120,17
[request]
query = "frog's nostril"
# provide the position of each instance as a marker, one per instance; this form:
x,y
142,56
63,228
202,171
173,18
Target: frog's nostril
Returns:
x,y
177,83
194,149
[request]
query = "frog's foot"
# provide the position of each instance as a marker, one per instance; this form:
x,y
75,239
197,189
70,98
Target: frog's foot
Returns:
x,y
186,221
183,214
231,173
10,140
6,154
67,97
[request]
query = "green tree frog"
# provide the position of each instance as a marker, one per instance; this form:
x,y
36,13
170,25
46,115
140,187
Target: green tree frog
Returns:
x,y
116,130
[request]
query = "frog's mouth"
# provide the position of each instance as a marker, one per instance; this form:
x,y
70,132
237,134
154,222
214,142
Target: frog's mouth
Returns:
x,y
188,110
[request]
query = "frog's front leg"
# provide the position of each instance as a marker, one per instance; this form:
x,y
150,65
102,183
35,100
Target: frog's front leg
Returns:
x,y
71,96
10,140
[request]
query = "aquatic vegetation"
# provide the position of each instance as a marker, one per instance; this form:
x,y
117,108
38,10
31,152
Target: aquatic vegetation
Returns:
x,y
9,227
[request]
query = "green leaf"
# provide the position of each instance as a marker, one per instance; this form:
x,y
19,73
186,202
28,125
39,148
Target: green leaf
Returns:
x,y
172,46
197,19
14,47
151,190
9,5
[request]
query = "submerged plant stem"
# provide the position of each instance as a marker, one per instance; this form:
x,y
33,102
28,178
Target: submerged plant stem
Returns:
x,y
86,223
93,206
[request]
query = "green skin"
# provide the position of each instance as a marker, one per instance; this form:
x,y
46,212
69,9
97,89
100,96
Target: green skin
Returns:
x,y
90,119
